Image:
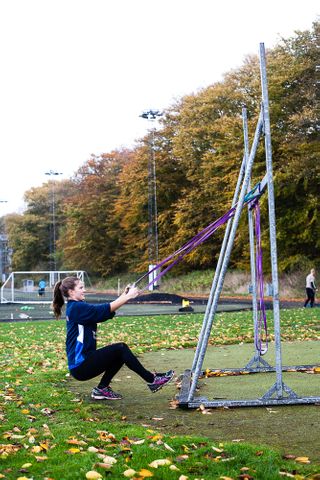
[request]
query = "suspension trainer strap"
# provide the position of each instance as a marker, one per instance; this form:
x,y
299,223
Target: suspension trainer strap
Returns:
x,y
190,245
197,240
262,318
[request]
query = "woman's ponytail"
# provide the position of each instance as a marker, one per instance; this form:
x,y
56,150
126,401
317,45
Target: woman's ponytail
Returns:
x,y
61,290
58,300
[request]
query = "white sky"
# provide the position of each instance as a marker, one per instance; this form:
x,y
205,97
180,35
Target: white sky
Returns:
x,y
76,74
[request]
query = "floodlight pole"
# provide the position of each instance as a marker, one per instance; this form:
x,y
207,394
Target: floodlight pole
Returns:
x,y
153,242
53,262
3,252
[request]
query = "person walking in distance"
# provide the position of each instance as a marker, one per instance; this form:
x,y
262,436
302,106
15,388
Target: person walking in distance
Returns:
x,y
310,288
42,288
85,361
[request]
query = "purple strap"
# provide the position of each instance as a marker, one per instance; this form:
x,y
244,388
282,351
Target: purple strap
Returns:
x,y
201,237
190,245
262,319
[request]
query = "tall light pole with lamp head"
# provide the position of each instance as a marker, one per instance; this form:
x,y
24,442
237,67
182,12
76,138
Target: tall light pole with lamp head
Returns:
x,y
153,244
53,263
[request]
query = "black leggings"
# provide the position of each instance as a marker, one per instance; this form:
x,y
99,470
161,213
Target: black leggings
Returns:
x,y
310,297
109,360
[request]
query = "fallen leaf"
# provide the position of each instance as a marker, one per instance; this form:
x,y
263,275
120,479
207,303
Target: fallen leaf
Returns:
x,y
138,442
73,450
219,450
109,460
145,473
204,410
39,459
159,463
173,404
93,449
44,446
93,475
47,411
106,466
74,441
288,456
168,447
36,449
129,473
156,437
173,467
302,459
181,458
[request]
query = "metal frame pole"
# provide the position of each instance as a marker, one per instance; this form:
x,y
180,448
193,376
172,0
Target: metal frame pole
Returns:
x,y
218,267
278,387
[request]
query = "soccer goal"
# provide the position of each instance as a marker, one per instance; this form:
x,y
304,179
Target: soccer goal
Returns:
x,y
34,286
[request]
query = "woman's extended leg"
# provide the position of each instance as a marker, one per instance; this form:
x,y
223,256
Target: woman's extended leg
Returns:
x,y
109,360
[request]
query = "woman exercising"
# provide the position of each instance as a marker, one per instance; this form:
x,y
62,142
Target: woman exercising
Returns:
x,y
85,361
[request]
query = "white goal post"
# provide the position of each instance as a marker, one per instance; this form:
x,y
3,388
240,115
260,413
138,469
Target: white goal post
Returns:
x,y
34,286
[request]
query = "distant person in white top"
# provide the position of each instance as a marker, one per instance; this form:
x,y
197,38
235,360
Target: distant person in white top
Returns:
x,y
310,288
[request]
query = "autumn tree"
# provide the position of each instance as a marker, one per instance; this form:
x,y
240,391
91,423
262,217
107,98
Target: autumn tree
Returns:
x,y
91,239
103,216
30,234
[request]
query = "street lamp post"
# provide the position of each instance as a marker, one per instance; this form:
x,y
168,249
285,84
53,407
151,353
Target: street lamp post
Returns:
x,y
153,244
52,246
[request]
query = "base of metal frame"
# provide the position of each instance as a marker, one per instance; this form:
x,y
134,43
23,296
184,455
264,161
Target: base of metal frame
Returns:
x,y
269,399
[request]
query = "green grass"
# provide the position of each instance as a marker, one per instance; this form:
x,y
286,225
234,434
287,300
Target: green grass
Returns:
x,y
48,433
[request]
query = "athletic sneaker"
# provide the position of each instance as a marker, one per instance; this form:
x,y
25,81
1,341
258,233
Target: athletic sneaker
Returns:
x,y
160,380
105,393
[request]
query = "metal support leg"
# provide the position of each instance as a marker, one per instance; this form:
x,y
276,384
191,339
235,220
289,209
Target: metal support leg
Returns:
x,y
272,222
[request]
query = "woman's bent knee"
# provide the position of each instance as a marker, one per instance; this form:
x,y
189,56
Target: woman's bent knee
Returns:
x,y
122,345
